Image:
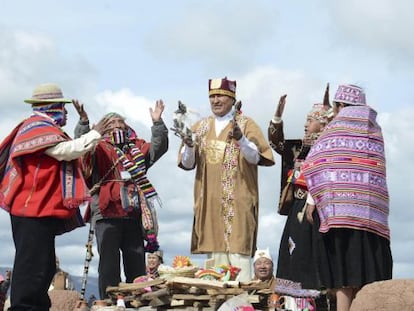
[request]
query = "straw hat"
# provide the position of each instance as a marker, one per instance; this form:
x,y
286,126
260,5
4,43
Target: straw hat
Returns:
x,y
47,93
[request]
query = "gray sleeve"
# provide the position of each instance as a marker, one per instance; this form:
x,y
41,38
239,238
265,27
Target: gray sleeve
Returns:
x,y
95,211
159,141
82,127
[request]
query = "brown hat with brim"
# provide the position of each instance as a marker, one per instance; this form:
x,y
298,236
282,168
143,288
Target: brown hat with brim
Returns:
x,y
47,93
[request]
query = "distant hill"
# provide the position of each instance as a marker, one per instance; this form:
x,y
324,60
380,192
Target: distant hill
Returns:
x,y
91,286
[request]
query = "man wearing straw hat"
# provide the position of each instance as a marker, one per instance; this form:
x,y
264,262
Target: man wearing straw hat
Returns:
x,y
42,187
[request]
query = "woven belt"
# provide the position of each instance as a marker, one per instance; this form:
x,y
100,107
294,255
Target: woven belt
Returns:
x,y
300,193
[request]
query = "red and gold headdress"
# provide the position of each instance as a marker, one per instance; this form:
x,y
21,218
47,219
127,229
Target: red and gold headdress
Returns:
x,y
222,87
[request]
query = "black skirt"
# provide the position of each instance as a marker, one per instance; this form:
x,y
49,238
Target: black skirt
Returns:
x,y
296,260
352,258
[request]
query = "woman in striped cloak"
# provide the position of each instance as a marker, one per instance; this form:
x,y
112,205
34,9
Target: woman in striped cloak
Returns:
x,y
346,178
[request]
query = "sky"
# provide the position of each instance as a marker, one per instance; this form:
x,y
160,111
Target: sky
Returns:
x,y
124,55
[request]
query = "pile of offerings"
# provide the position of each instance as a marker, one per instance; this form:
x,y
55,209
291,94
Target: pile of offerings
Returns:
x,y
184,286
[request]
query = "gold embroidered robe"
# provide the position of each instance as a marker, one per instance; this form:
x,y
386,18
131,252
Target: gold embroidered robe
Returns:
x,y
212,216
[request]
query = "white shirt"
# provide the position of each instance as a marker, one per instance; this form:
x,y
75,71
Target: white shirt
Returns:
x,y
248,149
72,149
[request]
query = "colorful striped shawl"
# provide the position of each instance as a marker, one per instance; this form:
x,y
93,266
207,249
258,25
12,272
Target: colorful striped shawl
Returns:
x,y
36,134
346,176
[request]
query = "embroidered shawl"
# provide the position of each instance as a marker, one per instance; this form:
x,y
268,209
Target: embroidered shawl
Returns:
x,y
346,176
34,135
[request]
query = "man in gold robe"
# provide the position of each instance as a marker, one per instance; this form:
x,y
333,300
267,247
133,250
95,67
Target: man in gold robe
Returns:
x,y
225,149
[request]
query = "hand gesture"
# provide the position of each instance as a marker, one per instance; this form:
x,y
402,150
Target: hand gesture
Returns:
x,y
236,132
188,138
237,106
326,103
81,111
309,211
280,106
157,111
103,126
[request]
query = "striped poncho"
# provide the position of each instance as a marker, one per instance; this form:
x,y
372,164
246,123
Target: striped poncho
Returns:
x,y
345,173
33,184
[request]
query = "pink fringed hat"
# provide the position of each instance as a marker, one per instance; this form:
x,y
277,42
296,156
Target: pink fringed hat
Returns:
x,y
321,113
350,94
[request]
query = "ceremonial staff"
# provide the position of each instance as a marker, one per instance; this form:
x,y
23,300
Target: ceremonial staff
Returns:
x,y
88,258
89,243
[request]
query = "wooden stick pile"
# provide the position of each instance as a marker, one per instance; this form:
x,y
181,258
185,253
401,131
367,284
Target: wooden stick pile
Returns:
x,y
184,293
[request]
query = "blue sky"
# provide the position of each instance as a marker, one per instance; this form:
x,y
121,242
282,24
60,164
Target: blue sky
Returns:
x,y
123,55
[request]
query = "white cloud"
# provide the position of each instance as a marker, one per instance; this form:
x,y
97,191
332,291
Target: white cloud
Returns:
x,y
398,128
22,56
260,90
214,35
29,58
124,102
36,43
382,24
